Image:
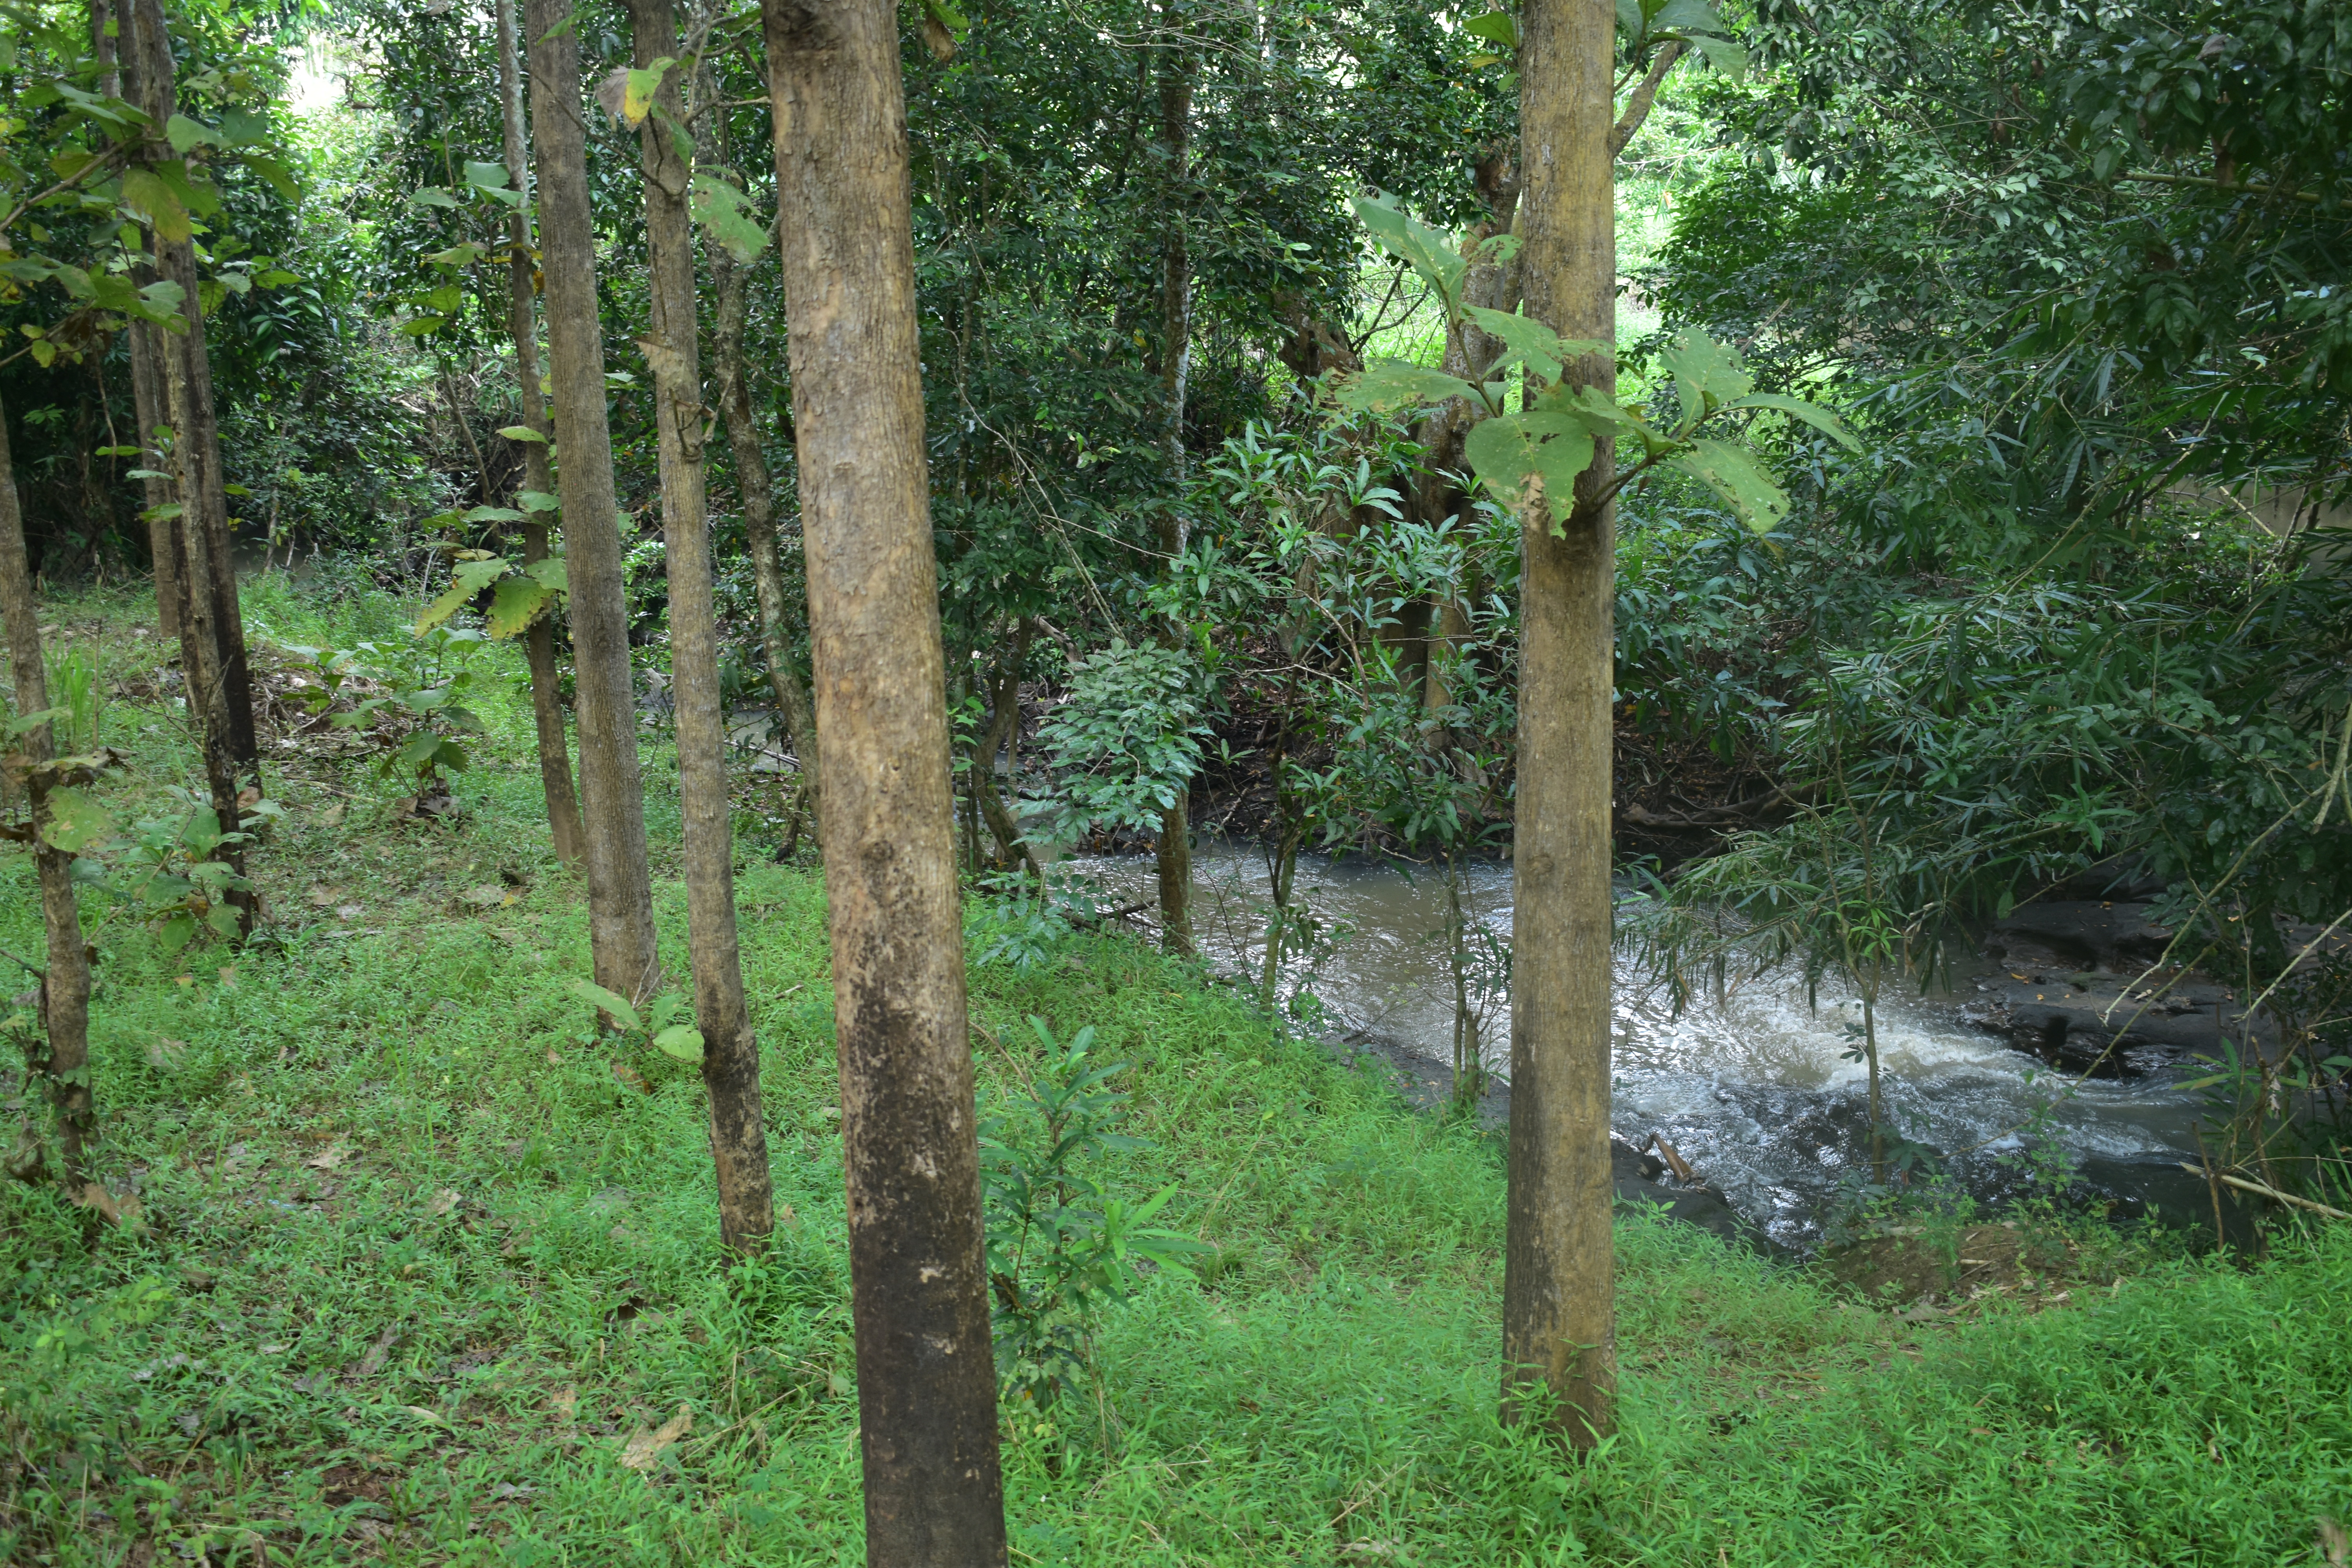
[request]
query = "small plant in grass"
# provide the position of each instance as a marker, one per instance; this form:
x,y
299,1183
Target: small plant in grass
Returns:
x,y
1062,1251
666,1025
413,699
167,877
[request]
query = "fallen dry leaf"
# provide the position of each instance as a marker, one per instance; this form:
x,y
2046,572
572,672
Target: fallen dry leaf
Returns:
x,y
563,1402
332,816
166,1055
328,1158
350,912
2334,1544
324,897
227,974
644,1447
373,1362
125,1212
443,1201
632,1077
486,897
554,1059
428,1416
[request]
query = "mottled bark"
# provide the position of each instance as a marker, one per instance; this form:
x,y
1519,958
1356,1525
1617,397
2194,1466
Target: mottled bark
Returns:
x,y
522,326
203,524
1558,1267
1172,848
926,1377
730,1054
755,486
148,398
612,787
1004,723
65,985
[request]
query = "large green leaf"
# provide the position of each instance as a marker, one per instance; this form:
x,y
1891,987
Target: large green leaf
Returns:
x,y
1733,473
515,605
146,193
1706,374
1812,413
1422,248
1392,385
74,822
683,1041
549,572
612,1005
637,98
1506,450
1496,26
719,207
1529,342
485,176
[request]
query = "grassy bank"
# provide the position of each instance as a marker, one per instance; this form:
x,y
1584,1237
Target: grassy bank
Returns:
x,y
417,1263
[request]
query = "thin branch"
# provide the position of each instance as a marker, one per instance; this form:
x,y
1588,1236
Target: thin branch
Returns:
x,y
1637,107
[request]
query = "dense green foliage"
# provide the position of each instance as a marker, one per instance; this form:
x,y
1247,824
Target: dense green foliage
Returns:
x,y
408,1287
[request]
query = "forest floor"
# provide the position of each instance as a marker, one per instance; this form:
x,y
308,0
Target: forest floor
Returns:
x,y
423,1273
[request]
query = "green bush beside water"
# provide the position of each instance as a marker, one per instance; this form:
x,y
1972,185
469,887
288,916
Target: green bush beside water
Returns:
x,y
418,1265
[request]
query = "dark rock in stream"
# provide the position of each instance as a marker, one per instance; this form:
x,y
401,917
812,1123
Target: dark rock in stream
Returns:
x,y
1428,1084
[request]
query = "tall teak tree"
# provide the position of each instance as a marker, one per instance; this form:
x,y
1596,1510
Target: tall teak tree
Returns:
x,y
538,640
620,886
926,1378
64,985
1558,1267
731,1054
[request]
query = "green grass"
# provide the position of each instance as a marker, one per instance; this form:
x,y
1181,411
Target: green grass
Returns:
x,y
315,1349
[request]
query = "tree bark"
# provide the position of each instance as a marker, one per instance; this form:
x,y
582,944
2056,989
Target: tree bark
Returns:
x,y
755,486
1174,846
926,1377
620,885
538,639
148,358
730,1054
211,580
1558,1267
64,986
1004,722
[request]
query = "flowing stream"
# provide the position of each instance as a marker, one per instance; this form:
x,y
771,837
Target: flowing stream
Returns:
x,y
1754,1090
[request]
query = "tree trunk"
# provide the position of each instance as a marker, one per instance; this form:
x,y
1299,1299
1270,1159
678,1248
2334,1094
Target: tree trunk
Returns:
x,y
926,1376
1004,723
65,987
730,1054
1558,1267
1173,846
755,486
210,580
539,639
148,357
620,887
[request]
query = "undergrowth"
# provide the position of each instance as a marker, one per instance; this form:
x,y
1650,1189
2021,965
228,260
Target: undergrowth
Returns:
x,y
419,1264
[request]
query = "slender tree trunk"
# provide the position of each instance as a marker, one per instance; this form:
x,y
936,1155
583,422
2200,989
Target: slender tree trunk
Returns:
x,y
538,639
1003,724
1174,843
187,374
64,986
620,885
148,397
1558,1267
730,1054
926,1376
758,491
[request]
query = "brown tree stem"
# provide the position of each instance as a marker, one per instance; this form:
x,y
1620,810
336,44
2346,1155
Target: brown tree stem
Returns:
x,y
730,1053
65,985
538,639
612,786
919,1291
1557,1263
